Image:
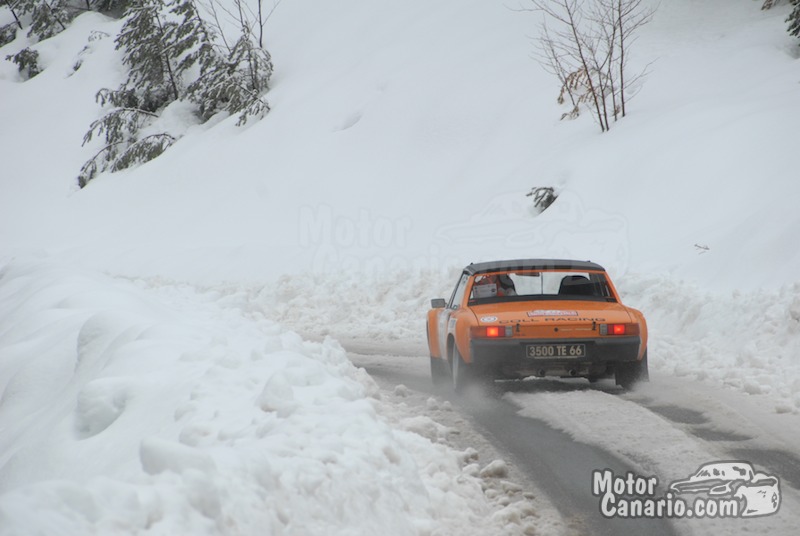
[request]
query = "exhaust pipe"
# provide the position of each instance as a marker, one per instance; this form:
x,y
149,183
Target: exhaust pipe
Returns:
x,y
573,372
541,373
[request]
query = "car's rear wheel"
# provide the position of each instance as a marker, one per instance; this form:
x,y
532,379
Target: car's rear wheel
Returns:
x,y
462,374
629,374
440,371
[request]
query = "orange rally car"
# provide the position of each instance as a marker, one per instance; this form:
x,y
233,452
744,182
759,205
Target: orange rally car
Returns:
x,y
519,318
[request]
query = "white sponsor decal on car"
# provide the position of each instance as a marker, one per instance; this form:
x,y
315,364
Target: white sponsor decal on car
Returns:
x,y
552,312
488,319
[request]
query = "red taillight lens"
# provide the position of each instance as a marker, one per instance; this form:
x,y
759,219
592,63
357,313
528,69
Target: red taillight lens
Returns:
x,y
490,332
619,329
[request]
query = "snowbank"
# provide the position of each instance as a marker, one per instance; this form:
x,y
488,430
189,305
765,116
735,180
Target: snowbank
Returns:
x,y
128,409
386,306
746,340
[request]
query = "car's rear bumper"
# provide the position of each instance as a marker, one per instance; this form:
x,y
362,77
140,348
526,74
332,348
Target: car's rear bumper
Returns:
x,y
508,358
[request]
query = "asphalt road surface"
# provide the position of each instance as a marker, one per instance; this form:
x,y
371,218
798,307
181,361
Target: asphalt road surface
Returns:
x,y
561,467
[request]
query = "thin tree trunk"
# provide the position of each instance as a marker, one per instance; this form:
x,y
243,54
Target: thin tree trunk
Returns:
x,y
611,42
14,13
584,63
165,58
621,58
260,25
55,17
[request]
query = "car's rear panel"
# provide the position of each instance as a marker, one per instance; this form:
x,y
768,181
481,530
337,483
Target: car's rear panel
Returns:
x,y
553,338
584,357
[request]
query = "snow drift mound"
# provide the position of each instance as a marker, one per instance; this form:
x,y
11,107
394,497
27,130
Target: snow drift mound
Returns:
x,y
166,411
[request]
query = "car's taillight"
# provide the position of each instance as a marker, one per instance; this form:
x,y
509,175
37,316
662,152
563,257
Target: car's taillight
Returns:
x,y
619,329
491,332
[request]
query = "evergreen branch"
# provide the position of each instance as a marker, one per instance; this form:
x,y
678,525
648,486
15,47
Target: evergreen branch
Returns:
x,y
115,123
142,151
89,169
54,15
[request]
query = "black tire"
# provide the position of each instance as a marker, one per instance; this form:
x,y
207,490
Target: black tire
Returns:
x,y
462,373
440,371
644,371
630,374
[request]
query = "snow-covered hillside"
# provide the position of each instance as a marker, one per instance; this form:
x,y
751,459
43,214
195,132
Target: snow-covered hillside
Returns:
x,y
405,135
402,140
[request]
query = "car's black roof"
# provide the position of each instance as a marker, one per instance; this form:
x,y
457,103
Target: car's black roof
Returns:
x,y
531,264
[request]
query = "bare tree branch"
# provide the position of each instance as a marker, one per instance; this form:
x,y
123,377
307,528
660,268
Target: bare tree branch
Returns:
x,y
588,52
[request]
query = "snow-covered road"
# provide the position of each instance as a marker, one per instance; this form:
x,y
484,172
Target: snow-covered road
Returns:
x,y
555,434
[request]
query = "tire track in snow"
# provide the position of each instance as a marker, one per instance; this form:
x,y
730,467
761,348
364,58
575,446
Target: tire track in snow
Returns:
x,y
659,437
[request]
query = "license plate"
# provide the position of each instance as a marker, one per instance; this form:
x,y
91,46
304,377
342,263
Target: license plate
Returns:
x,y
556,351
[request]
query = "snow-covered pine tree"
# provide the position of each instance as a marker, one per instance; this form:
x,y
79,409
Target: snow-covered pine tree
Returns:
x,y
120,129
166,44
152,84
152,78
114,8
194,41
47,17
192,38
231,80
234,84
794,19
253,69
8,32
27,61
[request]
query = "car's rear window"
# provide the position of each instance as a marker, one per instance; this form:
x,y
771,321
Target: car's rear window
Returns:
x,y
542,285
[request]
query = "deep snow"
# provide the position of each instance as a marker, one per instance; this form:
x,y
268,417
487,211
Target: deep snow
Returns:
x,y
402,140
129,408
